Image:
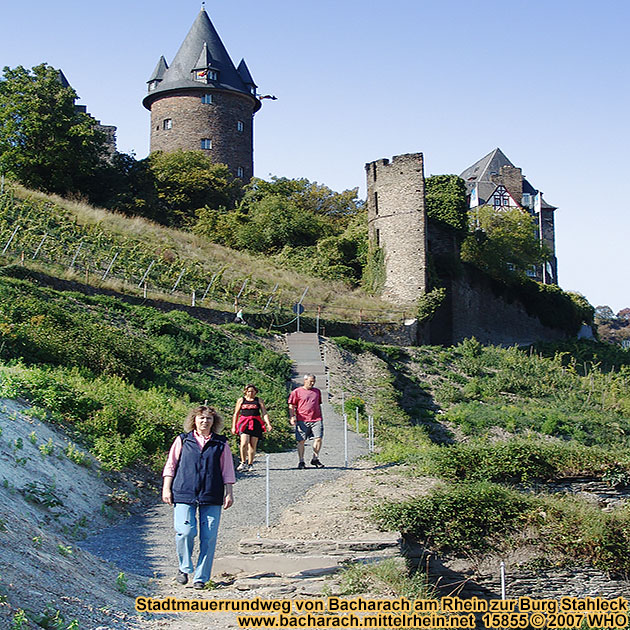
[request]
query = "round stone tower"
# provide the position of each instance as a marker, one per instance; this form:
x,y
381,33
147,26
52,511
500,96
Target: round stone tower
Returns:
x,y
203,102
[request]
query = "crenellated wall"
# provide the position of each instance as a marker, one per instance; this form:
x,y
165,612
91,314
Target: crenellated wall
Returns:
x,y
397,224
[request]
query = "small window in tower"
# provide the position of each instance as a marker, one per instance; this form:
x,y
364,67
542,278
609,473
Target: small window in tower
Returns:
x,y
167,123
206,143
213,75
239,125
240,172
206,99
375,203
378,238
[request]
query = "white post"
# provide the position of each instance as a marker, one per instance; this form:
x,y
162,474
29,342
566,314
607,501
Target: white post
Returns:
x,y
267,489
39,246
345,440
356,415
502,580
343,401
17,227
146,273
193,301
109,268
371,434
214,277
144,291
179,278
242,288
270,297
75,255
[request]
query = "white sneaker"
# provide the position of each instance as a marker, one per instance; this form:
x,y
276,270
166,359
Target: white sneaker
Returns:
x,y
241,467
250,468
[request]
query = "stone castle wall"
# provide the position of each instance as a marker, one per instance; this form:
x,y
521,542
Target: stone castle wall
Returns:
x,y
477,311
397,224
473,306
192,120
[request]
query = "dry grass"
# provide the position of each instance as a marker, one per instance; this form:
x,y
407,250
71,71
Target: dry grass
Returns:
x,y
337,300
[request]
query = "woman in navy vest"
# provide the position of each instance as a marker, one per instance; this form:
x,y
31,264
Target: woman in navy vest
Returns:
x,y
198,476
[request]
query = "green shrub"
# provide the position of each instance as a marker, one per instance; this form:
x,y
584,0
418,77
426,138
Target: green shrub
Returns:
x,y
518,460
581,530
459,518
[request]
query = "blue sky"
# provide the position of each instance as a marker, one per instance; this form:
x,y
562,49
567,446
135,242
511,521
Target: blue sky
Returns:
x,y
547,81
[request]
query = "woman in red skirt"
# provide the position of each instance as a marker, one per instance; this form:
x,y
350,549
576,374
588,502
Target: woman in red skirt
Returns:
x,y
250,420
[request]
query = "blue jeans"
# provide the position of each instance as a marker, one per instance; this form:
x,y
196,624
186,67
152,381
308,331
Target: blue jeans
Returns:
x,y
185,532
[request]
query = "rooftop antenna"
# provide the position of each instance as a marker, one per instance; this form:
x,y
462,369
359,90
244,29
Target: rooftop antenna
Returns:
x,y
203,5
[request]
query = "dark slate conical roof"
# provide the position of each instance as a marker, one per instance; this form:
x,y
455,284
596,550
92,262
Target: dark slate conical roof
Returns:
x,y
201,45
160,69
245,74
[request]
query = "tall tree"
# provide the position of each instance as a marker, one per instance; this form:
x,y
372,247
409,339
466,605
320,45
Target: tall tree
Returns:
x,y
45,142
504,243
185,182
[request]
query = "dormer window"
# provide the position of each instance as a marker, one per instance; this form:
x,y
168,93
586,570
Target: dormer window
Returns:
x,y
205,75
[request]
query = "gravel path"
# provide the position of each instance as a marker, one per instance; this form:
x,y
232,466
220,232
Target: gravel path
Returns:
x,y
144,545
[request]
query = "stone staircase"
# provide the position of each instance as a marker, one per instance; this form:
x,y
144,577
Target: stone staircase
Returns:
x,y
282,566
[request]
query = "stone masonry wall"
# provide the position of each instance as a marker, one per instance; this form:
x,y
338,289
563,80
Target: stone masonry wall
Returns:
x,y
512,178
477,311
218,121
397,224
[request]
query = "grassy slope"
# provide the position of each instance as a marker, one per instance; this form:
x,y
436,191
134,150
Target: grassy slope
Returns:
x,y
123,376
490,422
138,242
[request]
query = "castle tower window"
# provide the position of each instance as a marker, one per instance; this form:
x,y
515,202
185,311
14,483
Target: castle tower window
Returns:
x,y
378,238
205,75
376,203
206,99
240,172
239,125
206,143
167,123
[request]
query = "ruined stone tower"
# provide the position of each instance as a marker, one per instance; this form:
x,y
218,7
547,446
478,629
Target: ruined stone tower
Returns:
x,y
397,224
203,102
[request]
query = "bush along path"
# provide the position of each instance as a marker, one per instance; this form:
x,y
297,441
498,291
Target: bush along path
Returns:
x,y
144,545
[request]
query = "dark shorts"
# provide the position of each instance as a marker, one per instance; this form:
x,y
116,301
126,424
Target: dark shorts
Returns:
x,y
306,430
256,432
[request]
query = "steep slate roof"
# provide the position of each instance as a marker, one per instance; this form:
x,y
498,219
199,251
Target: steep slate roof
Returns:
x,y
201,45
479,173
160,69
245,74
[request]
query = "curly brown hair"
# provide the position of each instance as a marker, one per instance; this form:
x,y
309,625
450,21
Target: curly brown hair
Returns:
x,y
189,423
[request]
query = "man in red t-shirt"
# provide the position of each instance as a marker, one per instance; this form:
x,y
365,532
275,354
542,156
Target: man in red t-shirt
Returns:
x,y
305,409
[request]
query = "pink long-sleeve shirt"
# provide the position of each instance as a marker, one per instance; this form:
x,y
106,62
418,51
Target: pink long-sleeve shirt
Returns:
x,y
227,463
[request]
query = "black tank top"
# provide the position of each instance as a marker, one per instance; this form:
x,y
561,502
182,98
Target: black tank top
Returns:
x,y
250,408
